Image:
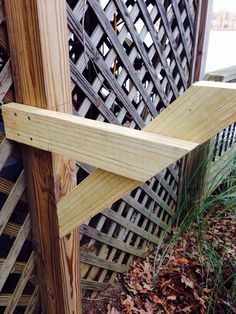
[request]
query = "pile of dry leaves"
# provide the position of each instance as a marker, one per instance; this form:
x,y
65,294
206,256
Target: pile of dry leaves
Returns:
x,y
194,273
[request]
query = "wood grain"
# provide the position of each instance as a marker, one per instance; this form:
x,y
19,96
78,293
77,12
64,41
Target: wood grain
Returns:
x,y
37,33
201,112
131,153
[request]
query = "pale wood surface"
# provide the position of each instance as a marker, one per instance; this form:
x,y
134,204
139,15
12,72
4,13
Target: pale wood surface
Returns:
x,y
131,153
37,33
202,111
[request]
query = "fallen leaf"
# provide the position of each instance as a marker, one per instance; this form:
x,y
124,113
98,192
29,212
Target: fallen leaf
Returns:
x,y
187,309
150,307
183,260
112,310
187,281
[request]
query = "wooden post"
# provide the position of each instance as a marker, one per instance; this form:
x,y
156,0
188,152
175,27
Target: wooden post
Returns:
x,y
202,34
37,36
196,162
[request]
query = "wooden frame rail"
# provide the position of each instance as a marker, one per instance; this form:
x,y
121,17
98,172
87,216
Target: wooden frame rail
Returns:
x,y
134,154
201,112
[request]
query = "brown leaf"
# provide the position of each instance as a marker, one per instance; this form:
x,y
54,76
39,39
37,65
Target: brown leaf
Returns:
x,y
165,283
155,298
183,260
150,307
172,297
187,281
187,309
112,310
147,286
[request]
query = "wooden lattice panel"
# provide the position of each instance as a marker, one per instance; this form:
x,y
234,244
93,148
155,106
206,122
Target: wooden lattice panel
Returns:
x,y
129,61
224,141
18,291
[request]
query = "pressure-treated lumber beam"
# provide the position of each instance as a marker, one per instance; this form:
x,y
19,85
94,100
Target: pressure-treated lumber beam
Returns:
x,y
131,153
202,111
37,34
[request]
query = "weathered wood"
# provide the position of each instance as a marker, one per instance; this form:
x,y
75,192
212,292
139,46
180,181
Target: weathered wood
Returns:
x,y
120,51
1,11
17,268
220,169
173,45
200,46
12,201
186,119
25,276
142,209
190,17
14,251
12,229
100,236
33,301
5,298
93,285
131,153
143,53
6,186
5,76
158,45
81,81
158,199
5,151
94,54
39,54
100,262
222,75
130,226
181,29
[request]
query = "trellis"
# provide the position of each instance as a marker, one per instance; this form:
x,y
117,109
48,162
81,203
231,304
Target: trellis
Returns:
x,y
129,61
108,86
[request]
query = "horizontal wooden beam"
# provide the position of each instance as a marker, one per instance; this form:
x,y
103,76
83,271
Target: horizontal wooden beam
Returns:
x,y
222,75
201,112
131,153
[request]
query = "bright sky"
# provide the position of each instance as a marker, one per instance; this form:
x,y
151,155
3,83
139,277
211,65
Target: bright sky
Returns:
x,y
229,5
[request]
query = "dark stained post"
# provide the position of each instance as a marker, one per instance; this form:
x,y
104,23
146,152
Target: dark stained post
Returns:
x,y
38,42
202,33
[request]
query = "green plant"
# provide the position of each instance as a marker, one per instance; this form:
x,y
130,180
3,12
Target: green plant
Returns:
x,y
211,208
